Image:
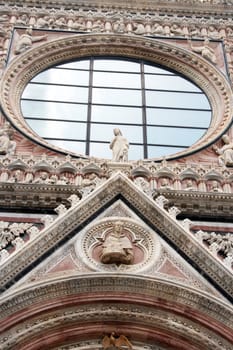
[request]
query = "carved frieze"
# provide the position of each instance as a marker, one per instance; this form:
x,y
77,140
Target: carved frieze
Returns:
x,y
196,188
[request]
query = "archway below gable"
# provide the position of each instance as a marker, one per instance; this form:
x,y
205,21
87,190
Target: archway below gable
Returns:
x,y
150,312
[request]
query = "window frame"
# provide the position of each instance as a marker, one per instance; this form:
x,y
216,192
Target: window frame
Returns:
x,y
204,74
113,64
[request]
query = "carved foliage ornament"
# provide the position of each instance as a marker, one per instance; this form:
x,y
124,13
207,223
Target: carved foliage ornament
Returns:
x,y
198,69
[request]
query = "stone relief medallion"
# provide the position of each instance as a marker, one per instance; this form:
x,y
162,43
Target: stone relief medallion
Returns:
x,y
118,244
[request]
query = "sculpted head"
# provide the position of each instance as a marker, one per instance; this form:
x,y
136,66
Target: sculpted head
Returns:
x,y
117,132
118,227
226,139
29,31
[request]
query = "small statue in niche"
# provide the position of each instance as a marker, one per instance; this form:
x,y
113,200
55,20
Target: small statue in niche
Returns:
x,y
42,179
26,40
119,26
52,180
213,33
78,25
116,342
22,20
117,247
119,147
60,23
44,22
7,146
98,26
165,184
139,28
194,32
189,185
16,176
225,152
205,50
215,187
157,29
176,30
63,180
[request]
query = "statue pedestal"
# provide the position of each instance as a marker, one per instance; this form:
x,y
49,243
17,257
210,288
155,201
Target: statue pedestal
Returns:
x,y
114,167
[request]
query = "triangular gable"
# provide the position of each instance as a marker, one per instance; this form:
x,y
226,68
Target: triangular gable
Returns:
x,y
82,212
153,257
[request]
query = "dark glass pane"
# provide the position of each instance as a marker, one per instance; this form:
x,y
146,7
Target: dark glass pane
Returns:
x,y
172,136
102,150
156,70
121,80
116,114
77,147
63,76
176,100
103,132
178,117
55,93
117,97
116,65
172,82
156,151
61,130
83,64
54,110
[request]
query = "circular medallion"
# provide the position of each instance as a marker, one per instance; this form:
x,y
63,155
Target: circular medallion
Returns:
x,y
118,244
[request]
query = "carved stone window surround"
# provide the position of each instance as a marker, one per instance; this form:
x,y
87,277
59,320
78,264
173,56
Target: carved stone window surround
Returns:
x,y
201,72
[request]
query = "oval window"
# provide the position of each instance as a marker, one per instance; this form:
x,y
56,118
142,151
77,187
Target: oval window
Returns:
x,y
77,105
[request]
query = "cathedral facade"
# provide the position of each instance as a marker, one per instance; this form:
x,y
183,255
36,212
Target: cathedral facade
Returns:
x,y
116,175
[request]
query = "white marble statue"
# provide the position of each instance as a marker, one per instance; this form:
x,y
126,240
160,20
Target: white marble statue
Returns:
x,y
119,147
205,51
26,41
225,152
7,146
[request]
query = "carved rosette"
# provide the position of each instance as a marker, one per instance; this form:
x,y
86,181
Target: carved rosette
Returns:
x,y
146,247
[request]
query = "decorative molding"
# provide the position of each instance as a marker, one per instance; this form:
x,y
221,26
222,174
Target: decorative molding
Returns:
x,y
198,6
94,344
129,299
189,19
